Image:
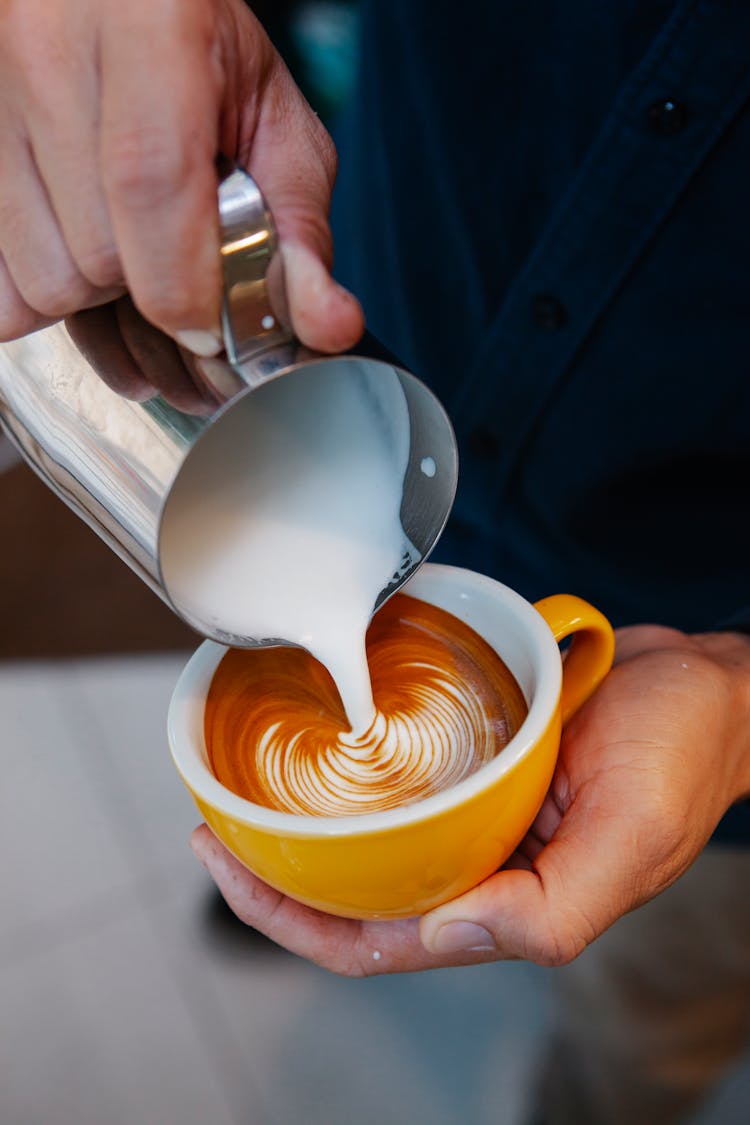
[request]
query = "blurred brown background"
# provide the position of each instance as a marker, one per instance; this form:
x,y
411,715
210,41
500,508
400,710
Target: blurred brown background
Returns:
x,y
62,591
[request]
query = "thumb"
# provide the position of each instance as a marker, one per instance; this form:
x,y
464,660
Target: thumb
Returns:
x,y
294,161
578,885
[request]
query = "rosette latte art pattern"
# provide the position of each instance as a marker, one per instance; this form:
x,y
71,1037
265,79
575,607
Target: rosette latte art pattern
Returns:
x,y
446,704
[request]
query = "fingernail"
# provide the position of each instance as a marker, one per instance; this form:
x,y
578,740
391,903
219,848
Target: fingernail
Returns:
x,y
199,343
463,937
141,392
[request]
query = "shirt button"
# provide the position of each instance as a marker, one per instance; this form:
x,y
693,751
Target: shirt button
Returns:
x,y
548,311
482,442
667,117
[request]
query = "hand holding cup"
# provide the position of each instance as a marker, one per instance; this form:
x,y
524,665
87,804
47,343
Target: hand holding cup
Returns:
x,y
647,767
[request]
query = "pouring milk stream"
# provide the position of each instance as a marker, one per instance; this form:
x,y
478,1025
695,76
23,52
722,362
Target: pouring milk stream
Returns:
x,y
297,498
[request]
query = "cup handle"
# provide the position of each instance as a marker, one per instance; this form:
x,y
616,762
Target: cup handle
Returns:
x,y
591,653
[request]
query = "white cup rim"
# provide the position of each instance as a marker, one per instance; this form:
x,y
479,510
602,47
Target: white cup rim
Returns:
x,y
188,749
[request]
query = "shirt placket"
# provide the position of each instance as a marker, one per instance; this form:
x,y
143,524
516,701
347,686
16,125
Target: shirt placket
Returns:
x,y
671,111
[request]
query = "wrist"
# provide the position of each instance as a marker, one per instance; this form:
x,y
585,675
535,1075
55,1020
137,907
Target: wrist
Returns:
x,y
731,652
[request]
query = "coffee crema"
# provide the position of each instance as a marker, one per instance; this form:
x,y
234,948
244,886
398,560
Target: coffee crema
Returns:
x,y
446,704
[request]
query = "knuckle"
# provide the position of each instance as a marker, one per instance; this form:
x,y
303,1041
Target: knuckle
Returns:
x,y
14,323
144,165
559,949
344,959
314,223
14,314
99,263
310,226
55,293
364,961
174,304
11,217
560,940
355,972
352,968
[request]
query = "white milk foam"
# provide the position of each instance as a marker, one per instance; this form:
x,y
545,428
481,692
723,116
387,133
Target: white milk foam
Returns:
x,y
285,521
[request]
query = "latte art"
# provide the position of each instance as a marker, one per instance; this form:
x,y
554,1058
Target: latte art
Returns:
x,y
427,747
446,704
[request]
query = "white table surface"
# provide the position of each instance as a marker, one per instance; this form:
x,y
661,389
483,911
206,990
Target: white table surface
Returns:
x,y
121,1005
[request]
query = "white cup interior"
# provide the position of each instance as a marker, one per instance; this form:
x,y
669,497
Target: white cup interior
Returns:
x,y
503,618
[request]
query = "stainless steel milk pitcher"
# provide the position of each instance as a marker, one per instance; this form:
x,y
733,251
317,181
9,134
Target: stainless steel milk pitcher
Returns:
x,y
115,461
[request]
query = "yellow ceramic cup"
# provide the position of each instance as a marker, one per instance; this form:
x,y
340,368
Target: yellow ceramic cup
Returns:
x,y
405,861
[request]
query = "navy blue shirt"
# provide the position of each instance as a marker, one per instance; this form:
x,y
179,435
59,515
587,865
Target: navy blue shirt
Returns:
x,y
543,205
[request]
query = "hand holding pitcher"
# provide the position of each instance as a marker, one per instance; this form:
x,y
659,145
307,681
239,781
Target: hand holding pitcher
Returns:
x,y
112,116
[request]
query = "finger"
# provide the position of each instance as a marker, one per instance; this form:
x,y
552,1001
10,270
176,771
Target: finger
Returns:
x,y
294,162
528,850
97,334
160,361
546,823
547,820
514,916
326,940
518,861
325,316
32,245
160,107
339,944
63,126
16,317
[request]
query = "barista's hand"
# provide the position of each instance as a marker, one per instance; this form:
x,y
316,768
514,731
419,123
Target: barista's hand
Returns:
x,y
647,768
111,115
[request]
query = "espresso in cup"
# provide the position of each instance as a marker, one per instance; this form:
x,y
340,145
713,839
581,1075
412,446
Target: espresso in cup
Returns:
x,y
446,704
